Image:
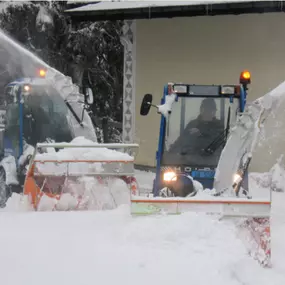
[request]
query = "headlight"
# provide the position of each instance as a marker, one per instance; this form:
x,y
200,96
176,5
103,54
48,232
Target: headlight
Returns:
x,y
237,178
27,88
169,176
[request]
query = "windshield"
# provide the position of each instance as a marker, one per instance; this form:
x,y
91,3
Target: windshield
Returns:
x,y
45,116
194,125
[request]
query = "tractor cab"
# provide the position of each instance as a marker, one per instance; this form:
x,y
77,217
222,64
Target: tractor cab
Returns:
x,y
195,123
35,112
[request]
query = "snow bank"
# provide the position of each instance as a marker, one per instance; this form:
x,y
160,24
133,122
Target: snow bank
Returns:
x,y
150,250
111,247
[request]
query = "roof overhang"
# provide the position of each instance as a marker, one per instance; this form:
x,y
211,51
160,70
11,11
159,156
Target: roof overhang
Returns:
x,y
127,10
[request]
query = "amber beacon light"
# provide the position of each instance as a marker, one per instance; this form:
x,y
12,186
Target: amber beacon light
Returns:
x,y
245,77
42,73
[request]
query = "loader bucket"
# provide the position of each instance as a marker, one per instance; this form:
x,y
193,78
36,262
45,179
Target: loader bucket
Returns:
x,y
78,176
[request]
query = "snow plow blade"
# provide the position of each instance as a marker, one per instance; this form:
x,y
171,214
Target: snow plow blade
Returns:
x,y
77,176
251,216
225,207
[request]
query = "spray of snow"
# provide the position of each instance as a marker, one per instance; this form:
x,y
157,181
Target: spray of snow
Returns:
x,y
30,64
277,173
246,135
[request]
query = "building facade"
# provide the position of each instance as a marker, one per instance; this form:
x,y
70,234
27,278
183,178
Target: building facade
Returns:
x,y
201,50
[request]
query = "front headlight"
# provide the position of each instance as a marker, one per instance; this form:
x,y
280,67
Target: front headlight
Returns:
x,y
169,176
236,178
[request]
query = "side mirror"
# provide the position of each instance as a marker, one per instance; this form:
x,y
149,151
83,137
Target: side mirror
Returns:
x,y
89,97
146,104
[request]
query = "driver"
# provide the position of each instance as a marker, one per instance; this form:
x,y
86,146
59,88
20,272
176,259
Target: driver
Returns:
x,y
200,132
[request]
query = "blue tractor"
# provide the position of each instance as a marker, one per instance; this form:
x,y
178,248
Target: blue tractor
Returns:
x,y
194,127
33,111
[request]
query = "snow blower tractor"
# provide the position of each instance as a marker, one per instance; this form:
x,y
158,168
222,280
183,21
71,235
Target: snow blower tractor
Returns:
x,y
205,144
195,124
49,154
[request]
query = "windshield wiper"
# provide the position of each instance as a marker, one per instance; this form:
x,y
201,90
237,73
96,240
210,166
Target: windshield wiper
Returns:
x,y
220,139
73,113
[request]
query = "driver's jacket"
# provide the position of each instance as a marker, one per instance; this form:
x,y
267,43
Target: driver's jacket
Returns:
x,y
195,142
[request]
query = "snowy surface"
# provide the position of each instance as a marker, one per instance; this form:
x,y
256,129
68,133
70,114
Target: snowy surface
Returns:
x,y
111,247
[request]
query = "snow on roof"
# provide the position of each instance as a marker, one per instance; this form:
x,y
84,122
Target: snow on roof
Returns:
x,y
78,1
129,4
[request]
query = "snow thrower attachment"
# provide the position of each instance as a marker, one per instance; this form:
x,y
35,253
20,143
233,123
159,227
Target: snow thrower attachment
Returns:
x,y
79,176
196,123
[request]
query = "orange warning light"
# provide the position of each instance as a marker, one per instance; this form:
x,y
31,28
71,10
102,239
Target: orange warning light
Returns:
x,y
245,77
42,73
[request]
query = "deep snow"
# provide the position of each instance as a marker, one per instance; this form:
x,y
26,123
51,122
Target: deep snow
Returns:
x,y
111,247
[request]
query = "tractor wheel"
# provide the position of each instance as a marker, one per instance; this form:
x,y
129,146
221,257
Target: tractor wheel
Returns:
x,y
183,186
4,189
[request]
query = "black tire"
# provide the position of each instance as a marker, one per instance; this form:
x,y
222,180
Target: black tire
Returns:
x,y
183,186
4,189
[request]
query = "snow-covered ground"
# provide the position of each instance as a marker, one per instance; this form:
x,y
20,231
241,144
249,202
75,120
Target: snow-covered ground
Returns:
x,y
111,247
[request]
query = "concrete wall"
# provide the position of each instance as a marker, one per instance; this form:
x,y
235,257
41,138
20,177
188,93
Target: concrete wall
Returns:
x,y
209,50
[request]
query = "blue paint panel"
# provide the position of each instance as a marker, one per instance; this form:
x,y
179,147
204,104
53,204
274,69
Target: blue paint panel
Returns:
x,y
242,100
203,174
8,147
21,123
159,153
